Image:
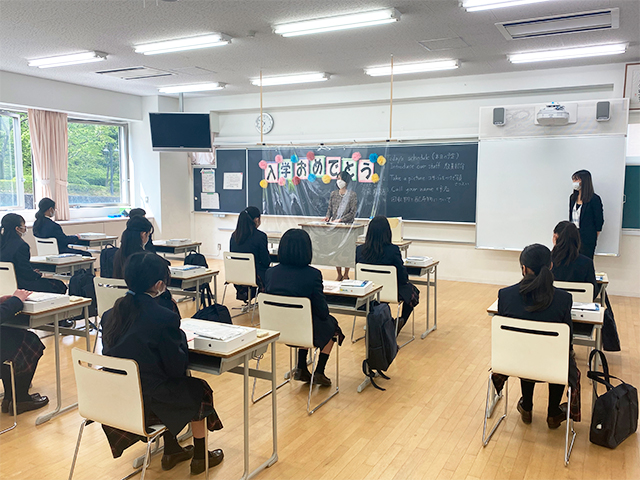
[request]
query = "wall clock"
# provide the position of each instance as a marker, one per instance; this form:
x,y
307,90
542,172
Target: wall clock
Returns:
x,y
264,122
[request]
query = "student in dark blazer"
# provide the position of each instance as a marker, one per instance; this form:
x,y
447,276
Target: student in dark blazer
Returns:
x,y
15,250
44,227
535,298
568,264
141,212
248,239
378,250
24,349
140,329
294,277
585,211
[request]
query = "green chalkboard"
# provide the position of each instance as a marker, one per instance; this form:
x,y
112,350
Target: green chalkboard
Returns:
x,y
631,208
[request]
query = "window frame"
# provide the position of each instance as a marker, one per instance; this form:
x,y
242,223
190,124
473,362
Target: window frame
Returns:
x,y
17,141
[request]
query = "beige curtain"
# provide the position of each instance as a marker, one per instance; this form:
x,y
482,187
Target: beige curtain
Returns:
x,y
49,145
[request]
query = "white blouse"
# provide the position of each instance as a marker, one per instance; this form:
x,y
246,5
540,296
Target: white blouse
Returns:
x,y
575,215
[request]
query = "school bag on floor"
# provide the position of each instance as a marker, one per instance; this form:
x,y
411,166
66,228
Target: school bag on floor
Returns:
x,y
615,412
81,285
383,347
106,261
206,296
214,313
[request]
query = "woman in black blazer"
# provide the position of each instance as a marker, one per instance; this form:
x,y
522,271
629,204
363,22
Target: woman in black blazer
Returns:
x,y
15,250
248,239
568,265
141,212
24,349
294,277
585,211
140,329
44,227
535,298
378,250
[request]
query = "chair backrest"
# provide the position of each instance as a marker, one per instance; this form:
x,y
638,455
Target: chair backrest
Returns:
x,y
396,228
8,283
47,246
291,316
239,268
384,275
108,290
581,292
530,349
110,398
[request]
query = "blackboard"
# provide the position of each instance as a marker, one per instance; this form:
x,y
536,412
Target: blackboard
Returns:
x,y
231,201
631,208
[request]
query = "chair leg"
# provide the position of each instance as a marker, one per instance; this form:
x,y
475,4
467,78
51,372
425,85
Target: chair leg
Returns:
x,y
413,328
13,398
353,329
75,455
487,414
98,324
224,292
253,308
569,447
206,450
255,379
335,392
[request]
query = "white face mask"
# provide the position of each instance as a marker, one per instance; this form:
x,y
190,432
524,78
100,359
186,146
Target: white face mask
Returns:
x,y
576,185
341,184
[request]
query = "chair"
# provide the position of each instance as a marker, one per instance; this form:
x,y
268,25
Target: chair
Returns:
x,y
386,276
8,283
13,398
533,350
47,246
108,290
291,316
581,292
240,269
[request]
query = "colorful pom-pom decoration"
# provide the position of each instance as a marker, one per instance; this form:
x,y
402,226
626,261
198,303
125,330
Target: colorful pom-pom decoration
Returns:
x,y
281,181
375,178
296,180
294,158
373,157
312,177
381,160
279,159
310,155
356,156
326,178
263,183
262,164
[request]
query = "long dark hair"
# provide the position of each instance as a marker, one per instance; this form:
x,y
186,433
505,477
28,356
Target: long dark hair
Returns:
x,y
295,248
43,205
537,288
130,243
141,272
8,230
378,235
586,186
246,224
567,247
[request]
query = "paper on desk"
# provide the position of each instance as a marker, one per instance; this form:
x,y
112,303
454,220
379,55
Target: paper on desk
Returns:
x,y
210,201
331,286
594,307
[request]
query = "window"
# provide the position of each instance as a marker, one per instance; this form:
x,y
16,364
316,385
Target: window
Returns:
x,y
16,179
97,163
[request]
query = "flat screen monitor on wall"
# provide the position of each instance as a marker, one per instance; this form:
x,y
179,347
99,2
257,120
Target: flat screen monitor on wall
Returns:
x,y
175,132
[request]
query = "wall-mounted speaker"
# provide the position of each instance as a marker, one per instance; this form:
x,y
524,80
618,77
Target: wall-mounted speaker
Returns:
x,y
603,111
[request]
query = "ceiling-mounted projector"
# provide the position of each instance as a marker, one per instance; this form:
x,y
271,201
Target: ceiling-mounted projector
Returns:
x,y
552,114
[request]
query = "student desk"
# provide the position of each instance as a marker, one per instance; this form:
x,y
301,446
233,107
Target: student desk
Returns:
x,y
602,279
350,304
422,276
162,247
66,268
96,242
403,245
334,244
196,281
42,321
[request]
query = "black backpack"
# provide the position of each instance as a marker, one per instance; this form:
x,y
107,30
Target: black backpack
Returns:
x,y
81,285
383,347
206,296
106,261
214,313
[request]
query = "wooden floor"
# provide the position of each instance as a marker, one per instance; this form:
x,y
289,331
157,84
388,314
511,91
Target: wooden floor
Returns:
x,y
427,425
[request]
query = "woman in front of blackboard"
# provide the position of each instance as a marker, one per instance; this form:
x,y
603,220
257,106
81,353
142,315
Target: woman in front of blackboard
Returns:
x,y
585,212
343,205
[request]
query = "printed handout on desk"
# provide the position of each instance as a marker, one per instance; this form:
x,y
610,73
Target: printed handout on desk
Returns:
x,y
210,201
208,181
594,307
232,181
330,286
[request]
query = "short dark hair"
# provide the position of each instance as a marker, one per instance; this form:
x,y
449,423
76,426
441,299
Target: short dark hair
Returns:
x,y
137,212
295,248
344,175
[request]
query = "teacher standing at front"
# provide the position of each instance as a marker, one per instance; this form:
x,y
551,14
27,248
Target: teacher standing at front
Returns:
x,y
585,211
343,205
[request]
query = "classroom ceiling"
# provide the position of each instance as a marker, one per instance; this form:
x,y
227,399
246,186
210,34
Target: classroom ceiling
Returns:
x,y
31,29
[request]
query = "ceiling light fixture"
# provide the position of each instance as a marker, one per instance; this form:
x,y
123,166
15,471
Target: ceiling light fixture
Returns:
x,y
181,44
197,87
412,68
341,22
477,5
73,59
291,79
565,53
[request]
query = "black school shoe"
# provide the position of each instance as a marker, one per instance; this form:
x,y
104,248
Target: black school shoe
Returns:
x,y
302,375
215,458
37,401
526,416
555,421
171,460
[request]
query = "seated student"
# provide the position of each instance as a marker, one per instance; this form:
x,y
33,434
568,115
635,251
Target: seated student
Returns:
x,y
535,298
138,328
24,349
248,239
378,250
44,227
141,212
294,277
15,250
568,264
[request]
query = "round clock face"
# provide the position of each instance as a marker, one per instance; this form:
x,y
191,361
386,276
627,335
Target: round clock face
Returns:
x,y
264,123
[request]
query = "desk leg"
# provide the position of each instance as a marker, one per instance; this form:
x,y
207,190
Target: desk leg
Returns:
x,y
215,288
197,295
435,301
245,475
274,407
87,329
367,380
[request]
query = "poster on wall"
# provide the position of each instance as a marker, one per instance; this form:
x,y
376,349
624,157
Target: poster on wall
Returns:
x,y
208,181
232,181
632,85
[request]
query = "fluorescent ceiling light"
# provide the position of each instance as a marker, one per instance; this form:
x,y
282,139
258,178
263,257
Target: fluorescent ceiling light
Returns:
x,y
412,68
291,79
73,59
578,52
191,43
197,87
341,22
477,5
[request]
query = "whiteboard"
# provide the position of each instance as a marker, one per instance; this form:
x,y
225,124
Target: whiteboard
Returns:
x,y
524,186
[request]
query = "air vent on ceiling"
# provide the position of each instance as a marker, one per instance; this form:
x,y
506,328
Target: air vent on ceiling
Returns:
x,y
135,73
559,24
